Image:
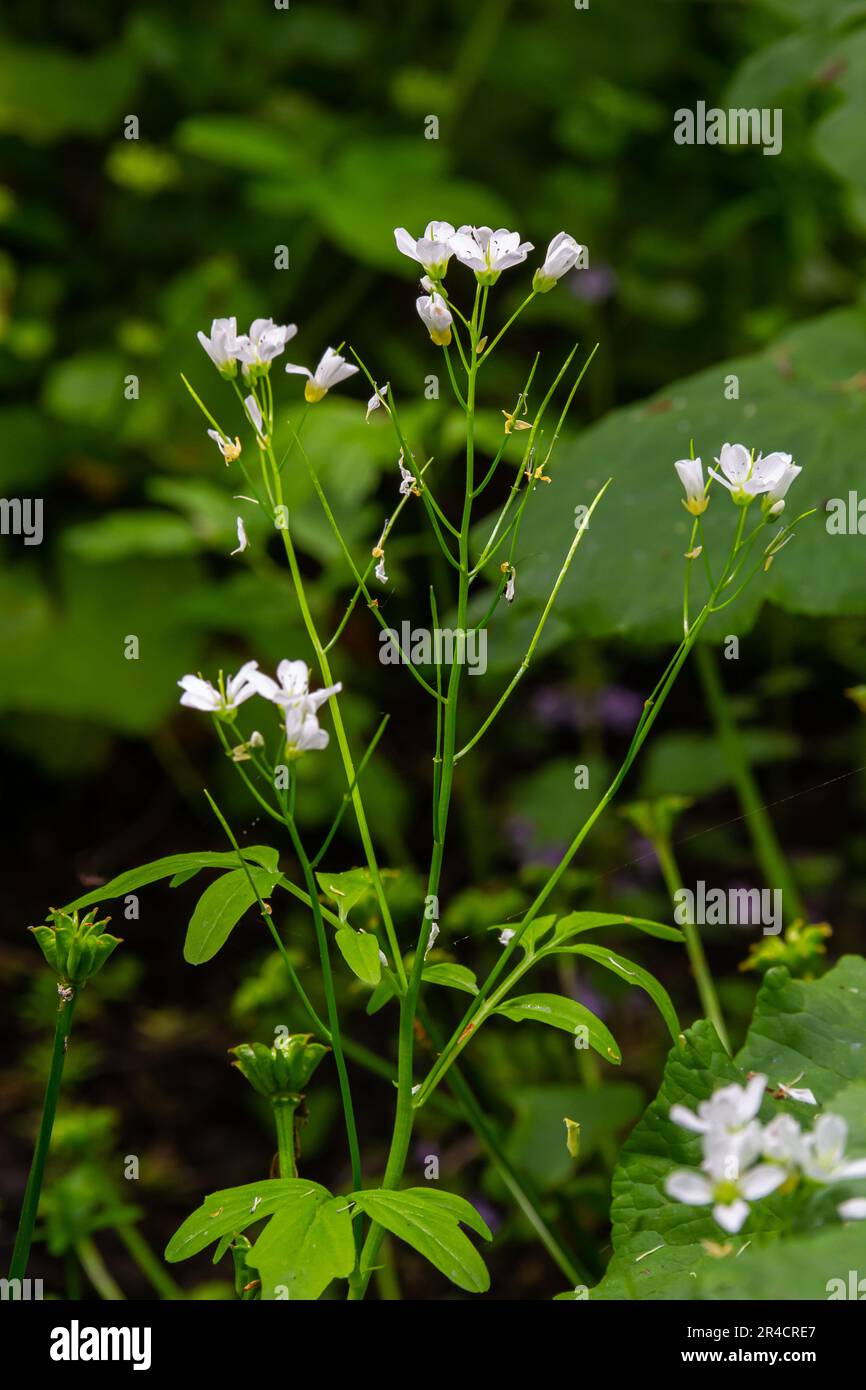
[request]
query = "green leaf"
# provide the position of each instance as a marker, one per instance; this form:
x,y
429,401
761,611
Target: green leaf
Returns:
x,y
306,1244
452,976
346,890
429,1221
815,1267
634,975
173,866
220,908
360,951
577,922
233,1209
808,1029
559,1012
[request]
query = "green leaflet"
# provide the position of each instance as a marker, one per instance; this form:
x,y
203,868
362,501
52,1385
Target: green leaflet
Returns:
x,y
220,908
346,890
577,922
633,975
559,1012
175,866
360,951
429,1221
306,1244
453,976
232,1210
814,1028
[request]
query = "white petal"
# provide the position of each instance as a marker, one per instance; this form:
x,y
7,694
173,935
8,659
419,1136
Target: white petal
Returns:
x,y
687,1118
731,1215
853,1210
761,1181
689,1186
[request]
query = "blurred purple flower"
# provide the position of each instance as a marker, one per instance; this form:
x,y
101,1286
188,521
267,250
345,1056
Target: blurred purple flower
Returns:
x,y
592,286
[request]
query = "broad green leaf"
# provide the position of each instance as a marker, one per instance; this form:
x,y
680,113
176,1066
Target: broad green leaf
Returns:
x,y
173,866
383,992
232,1210
429,1222
808,1029
360,951
307,1243
220,908
634,975
559,1012
453,976
812,1267
798,395
346,890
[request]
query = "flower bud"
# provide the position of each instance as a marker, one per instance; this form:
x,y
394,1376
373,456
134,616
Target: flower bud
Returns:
x,y
75,948
281,1070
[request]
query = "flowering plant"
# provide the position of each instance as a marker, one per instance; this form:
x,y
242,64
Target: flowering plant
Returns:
x,y
270,726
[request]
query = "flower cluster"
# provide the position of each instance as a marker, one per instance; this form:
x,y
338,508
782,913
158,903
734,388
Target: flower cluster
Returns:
x,y
734,1140
744,474
482,250
290,692
254,352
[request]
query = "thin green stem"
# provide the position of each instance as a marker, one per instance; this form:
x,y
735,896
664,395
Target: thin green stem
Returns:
x,y
96,1271
694,946
768,850
63,1026
284,1108
150,1265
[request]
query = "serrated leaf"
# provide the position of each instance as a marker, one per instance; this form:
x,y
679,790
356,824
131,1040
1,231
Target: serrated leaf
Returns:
x,y
232,1210
172,866
360,951
220,908
452,976
429,1222
557,1011
307,1243
633,975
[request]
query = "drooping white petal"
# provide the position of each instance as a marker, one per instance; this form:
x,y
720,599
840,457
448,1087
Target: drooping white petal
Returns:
x,y
731,1215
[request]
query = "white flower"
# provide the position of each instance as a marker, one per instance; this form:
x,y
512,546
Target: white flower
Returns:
x,y
332,369
505,935
407,478
787,472
230,451
265,341
254,415
563,254
782,1141
242,538
691,475
823,1152
728,1112
432,250
303,732
291,686
436,317
791,1091
853,1210
200,694
745,476
378,398
221,346
434,932
511,585
728,1196
380,570
488,253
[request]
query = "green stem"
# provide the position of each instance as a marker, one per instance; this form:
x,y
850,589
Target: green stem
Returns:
x,y
768,851
94,1268
695,947
24,1238
284,1108
149,1264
